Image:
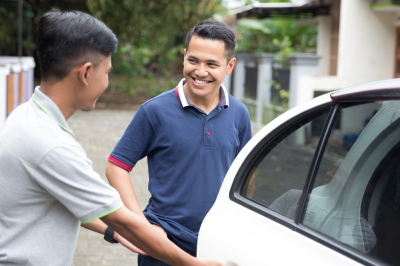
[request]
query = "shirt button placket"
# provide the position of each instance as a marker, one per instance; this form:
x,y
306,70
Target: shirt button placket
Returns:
x,y
208,141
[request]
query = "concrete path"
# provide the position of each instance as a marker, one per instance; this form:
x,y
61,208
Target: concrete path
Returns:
x,y
98,132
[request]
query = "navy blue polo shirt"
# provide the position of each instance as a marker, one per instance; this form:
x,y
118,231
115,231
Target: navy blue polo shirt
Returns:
x,y
188,153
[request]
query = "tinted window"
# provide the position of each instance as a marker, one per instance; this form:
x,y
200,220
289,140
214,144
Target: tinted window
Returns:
x,y
356,194
280,171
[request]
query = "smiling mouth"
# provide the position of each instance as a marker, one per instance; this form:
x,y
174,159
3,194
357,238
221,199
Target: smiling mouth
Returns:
x,y
198,81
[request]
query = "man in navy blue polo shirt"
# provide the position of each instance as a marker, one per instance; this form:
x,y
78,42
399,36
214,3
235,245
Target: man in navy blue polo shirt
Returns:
x,y
190,135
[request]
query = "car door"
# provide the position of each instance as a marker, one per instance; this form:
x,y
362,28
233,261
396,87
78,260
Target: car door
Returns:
x,y
310,189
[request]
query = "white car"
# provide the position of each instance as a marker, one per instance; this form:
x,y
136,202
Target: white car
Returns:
x,y
319,185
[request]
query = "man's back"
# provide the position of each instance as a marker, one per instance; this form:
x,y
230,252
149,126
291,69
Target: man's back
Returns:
x,y
39,186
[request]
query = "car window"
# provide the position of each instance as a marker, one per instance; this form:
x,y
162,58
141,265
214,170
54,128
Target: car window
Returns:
x,y
356,194
278,174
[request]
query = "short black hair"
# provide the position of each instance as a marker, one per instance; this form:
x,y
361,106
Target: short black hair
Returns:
x,y
68,39
214,30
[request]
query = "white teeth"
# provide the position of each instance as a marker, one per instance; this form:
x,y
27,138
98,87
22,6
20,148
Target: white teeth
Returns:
x,y
200,82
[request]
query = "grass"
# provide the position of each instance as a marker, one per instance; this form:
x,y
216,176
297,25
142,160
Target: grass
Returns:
x,y
152,85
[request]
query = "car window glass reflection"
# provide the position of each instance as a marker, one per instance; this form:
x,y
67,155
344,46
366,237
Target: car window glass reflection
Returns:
x,y
356,194
283,166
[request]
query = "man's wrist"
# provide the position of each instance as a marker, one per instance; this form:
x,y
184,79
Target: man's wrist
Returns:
x,y
109,236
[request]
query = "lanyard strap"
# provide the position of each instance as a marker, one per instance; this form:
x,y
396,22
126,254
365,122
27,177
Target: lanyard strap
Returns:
x,y
44,110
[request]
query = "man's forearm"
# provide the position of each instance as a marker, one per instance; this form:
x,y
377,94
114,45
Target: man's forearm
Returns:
x,y
121,180
97,226
100,227
143,235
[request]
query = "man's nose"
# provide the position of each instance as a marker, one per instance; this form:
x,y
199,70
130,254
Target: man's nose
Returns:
x,y
201,71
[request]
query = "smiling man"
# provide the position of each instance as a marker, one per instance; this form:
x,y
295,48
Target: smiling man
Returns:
x,y
190,135
48,186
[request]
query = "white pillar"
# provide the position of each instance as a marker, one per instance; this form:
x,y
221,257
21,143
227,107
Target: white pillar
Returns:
x,y
4,72
240,74
238,78
324,44
16,69
263,84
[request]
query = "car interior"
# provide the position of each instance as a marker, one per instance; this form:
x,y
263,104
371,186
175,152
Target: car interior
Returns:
x,y
381,207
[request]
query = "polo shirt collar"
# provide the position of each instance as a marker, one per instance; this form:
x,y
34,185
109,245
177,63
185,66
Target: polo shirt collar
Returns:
x,y
224,101
50,108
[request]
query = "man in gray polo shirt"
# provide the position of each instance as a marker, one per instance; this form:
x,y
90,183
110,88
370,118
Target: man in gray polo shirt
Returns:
x,y
47,184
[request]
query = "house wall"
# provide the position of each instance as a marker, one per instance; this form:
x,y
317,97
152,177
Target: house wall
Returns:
x,y
366,43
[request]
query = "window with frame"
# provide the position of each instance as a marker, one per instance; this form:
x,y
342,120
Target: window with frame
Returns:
x,y
355,197
279,173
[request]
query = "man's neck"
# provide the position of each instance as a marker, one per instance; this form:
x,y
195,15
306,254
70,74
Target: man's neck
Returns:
x,y
206,103
60,94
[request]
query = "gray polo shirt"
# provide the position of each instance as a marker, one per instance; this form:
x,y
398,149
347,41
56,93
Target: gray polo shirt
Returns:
x,y
47,187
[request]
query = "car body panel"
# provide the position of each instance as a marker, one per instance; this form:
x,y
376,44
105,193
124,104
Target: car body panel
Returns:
x,y
232,232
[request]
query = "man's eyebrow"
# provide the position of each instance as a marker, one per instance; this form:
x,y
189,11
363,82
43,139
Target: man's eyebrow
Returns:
x,y
214,61
193,57
209,61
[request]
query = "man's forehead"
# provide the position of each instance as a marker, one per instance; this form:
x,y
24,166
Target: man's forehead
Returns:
x,y
206,49
200,41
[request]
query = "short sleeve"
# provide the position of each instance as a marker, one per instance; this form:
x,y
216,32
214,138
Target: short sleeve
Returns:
x,y
245,132
67,174
135,143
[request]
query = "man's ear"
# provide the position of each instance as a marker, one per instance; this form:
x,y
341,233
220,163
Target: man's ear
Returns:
x,y
84,72
184,56
231,64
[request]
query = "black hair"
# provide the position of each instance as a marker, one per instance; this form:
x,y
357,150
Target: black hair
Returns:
x,y
68,39
214,30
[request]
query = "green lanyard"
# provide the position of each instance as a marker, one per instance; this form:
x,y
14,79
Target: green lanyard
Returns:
x,y
44,110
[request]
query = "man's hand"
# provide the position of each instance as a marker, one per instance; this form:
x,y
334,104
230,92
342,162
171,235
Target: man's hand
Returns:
x,y
159,229
207,262
128,244
150,239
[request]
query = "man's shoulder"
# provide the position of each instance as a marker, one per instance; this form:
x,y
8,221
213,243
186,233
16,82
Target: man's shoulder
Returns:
x,y
237,105
161,104
160,100
31,135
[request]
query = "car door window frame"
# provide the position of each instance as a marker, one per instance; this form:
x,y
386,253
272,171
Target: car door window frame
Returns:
x,y
296,224
245,169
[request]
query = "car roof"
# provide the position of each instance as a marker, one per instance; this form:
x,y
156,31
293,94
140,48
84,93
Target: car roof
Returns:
x,y
375,91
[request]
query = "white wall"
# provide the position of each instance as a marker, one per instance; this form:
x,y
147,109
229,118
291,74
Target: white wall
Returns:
x,y
366,43
301,65
4,71
366,50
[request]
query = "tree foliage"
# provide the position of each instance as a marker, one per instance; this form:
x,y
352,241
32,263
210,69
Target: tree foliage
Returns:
x,y
271,35
151,33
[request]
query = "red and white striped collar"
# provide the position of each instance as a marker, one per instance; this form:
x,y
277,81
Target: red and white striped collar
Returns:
x,y
180,94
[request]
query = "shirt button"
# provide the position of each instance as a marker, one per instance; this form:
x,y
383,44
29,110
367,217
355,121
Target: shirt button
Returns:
x,y
208,133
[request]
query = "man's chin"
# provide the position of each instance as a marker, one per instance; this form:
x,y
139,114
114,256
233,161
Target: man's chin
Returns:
x,y
87,108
